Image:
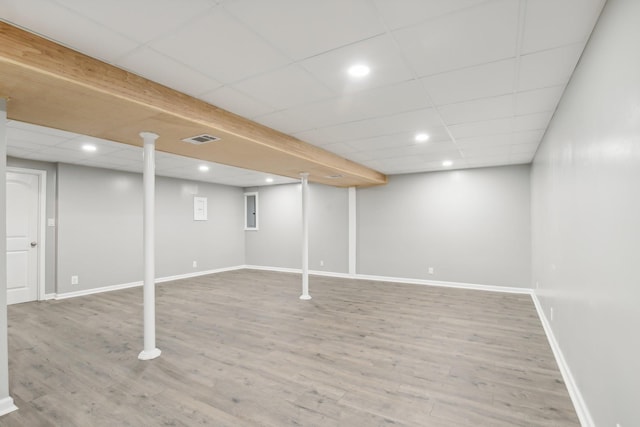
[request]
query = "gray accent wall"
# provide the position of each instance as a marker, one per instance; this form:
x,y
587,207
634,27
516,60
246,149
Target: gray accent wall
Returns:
x,y
586,219
50,234
100,227
278,241
470,226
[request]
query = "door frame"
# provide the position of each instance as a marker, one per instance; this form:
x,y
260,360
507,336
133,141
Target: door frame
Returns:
x,y
42,230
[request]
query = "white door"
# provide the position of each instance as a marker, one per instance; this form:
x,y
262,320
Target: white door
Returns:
x,y
22,237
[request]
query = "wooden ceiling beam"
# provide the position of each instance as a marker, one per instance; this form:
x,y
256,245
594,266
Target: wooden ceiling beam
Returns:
x,y
51,85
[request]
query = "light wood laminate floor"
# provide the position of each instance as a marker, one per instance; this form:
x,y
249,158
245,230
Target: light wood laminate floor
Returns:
x,y
240,349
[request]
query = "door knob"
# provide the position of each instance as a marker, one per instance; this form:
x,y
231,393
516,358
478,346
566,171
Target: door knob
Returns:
x,y
34,244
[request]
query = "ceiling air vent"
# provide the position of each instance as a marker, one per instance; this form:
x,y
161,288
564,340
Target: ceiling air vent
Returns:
x,y
201,139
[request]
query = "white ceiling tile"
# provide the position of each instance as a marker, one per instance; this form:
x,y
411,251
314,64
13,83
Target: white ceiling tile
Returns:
x,y
410,164
237,102
423,151
128,153
553,23
312,136
103,164
15,135
102,146
285,88
302,29
17,151
66,27
415,121
381,142
377,102
57,154
402,13
340,148
36,155
486,161
483,128
532,121
536,121
41,129
482,81
165,161
284,122
436,134
140,20
484,151
539,100
154,66
478,110
548,68
469,37
219,46
526,137
379,53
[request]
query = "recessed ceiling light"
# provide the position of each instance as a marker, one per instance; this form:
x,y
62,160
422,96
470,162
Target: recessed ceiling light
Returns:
x,y
359,70
269,180
203,168
447,163
421,137
89,148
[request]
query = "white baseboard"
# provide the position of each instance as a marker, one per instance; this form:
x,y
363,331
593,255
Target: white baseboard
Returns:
x,y
574,392
491,288
74,294
7,405
459,285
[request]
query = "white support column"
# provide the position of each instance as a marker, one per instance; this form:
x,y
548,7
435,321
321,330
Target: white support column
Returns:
x,y
352,231
149,179
305,237
6,402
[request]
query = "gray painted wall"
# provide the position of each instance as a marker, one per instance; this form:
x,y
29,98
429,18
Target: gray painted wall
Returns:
x,y
100,227
586,219
471,226
51,235
277,243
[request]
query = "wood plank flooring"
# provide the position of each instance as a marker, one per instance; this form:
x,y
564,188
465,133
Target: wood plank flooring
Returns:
x,y
240,349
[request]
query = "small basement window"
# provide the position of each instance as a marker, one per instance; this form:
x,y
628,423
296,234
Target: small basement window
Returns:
x,y
251,211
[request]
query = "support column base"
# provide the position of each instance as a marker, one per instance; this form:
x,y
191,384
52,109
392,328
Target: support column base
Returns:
x,y
6,406
148,355
305,297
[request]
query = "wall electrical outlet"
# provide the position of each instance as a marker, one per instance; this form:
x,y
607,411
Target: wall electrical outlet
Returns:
x,y
74,280
321,263
430,270
195,264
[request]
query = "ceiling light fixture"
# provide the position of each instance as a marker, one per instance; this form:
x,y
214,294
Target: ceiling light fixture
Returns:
x,y
359,70
90,148
421,137
447,163
269,180
203,168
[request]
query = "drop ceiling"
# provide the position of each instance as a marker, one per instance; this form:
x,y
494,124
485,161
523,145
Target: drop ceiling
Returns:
x,y
481,77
